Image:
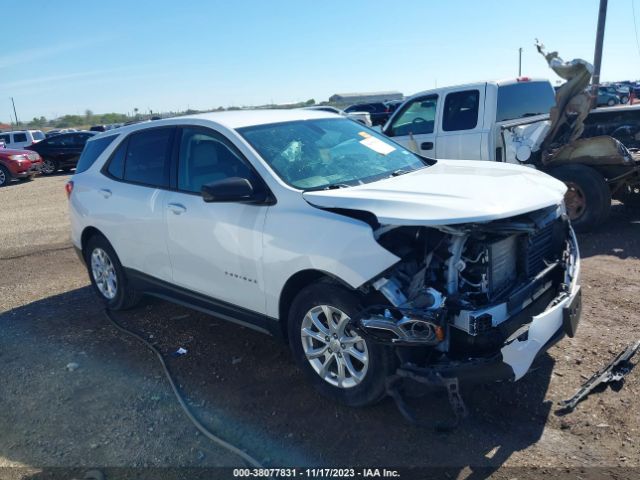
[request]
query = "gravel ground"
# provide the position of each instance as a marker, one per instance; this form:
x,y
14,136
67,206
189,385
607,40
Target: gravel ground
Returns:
x,y
74,392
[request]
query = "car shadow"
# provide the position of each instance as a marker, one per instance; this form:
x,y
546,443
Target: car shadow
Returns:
x,y
78,393
619,236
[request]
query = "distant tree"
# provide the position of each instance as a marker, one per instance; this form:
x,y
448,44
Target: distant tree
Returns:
x,y
88,115
310,102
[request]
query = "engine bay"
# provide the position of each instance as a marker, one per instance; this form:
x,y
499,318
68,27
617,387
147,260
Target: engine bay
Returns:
x,y
459,289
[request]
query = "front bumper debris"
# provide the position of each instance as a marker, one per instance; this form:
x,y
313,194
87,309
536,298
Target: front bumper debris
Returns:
x,y
514,358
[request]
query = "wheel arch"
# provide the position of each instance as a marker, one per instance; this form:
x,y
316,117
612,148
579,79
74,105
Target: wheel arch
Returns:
x,y
88,233
295,284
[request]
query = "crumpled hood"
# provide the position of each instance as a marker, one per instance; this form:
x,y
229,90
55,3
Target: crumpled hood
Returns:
x,y
449,192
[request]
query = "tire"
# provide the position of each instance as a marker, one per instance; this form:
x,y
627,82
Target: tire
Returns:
x,y
115,293
49,166
5,176
372,361
611,102
624,100
67,169
588,199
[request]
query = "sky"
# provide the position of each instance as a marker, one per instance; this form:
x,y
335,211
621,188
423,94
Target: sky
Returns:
x,y
68,56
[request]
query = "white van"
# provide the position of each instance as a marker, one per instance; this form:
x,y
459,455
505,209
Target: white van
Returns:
x,y
22,138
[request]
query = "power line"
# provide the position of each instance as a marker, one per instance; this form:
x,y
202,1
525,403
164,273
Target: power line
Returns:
x,y
635,24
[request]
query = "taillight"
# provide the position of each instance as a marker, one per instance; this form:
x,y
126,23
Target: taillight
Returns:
x,y
524,79
68,187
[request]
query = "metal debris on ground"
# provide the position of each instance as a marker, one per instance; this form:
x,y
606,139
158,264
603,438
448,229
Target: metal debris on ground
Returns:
x,y
611,374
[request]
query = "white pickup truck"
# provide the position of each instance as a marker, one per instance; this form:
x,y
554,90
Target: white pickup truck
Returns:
x,y
509,121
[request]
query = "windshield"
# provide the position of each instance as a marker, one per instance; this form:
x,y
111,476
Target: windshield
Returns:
x,y
524,99
315,154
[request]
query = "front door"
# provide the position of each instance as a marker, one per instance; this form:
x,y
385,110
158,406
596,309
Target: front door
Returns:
x,y
215,248
414,126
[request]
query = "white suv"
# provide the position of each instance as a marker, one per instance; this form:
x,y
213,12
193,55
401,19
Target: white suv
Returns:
x,y
366,258
22,138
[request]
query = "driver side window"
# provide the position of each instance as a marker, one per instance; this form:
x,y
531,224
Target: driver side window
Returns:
x,y
204,158
417,117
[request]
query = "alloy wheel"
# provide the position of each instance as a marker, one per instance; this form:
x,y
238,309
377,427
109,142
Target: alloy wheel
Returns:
x,y
333,349
48,167
104,273
3,177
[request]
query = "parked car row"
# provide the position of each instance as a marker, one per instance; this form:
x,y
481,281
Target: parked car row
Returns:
x,y
378,111
24,154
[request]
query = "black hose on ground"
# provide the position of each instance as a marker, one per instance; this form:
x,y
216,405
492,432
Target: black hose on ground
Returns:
x,y
207,433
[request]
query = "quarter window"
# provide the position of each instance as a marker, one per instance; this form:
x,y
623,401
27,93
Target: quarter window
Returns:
x,y
19,137
205,157
147,160
416,118
92,151
116,164
461,111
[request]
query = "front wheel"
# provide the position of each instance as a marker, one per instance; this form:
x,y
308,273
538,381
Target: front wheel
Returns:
x,y
107,275
588,197
49,166
5,176
611,102
340,363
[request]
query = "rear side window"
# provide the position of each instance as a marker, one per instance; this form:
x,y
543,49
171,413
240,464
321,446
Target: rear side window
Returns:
x,y
38,135
92,151
116,163
19,137
148,157
6,138
524,99
461,111
416,118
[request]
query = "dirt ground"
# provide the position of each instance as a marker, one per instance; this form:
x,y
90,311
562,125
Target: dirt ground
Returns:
x,y
116,409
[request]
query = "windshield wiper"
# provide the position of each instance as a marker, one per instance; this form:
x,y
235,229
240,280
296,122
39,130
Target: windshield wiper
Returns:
x,y
400,171
335,186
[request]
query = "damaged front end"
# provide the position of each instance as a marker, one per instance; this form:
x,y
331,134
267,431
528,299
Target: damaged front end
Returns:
x,y
478,301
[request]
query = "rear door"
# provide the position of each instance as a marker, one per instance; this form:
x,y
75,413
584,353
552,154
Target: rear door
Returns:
x,y
461,125
414,125
130,199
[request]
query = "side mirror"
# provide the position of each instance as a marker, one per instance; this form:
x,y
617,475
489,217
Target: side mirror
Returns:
x,y
232,189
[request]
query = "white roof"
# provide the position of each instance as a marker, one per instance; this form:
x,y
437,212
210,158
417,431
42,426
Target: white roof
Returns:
x,y
245,118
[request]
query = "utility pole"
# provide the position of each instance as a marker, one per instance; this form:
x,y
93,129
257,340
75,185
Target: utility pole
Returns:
x,y
597,58
14,112
520,62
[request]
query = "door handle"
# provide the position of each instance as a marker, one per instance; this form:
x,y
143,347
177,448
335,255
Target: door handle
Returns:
x,y
176,208
426,145
105,192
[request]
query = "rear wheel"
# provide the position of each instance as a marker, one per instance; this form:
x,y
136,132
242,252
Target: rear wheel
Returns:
x,y
588,197
611,102
49,166
340,363
5,176
107,275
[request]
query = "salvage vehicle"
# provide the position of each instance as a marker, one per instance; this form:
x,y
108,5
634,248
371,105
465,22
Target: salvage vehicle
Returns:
x,y
621,123
18,164
520,122
61,152
364,256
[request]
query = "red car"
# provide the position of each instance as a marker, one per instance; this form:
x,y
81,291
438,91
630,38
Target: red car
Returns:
x,y
20,164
